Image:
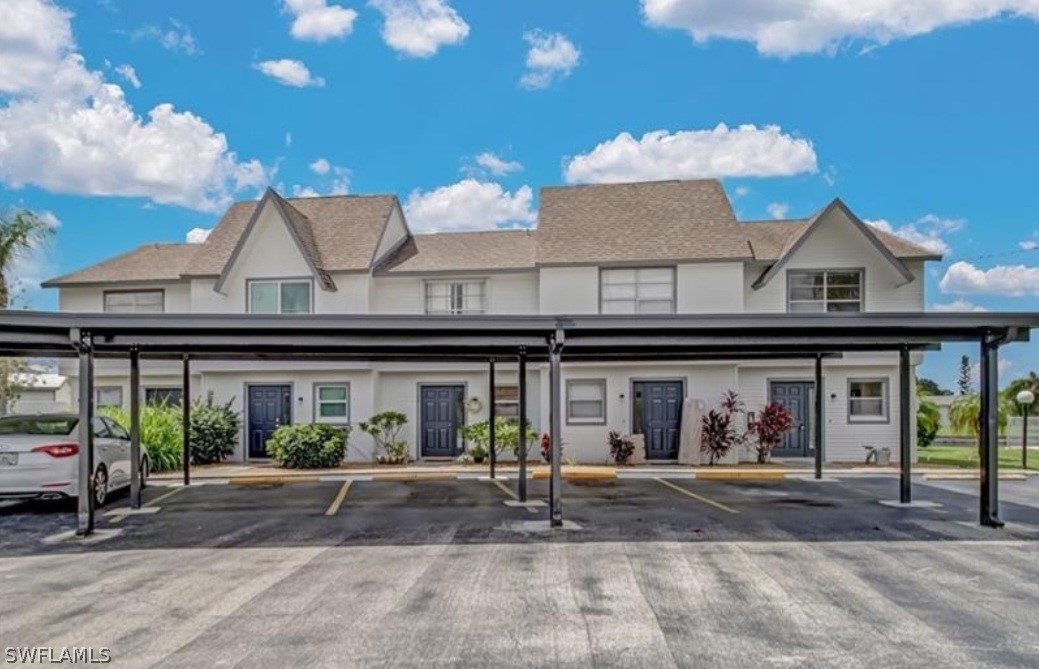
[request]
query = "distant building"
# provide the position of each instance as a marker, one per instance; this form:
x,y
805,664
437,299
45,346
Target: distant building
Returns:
x,y
40,392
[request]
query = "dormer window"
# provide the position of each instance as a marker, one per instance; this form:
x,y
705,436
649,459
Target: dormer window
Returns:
x,y
821,291
279,296
643,290
455,297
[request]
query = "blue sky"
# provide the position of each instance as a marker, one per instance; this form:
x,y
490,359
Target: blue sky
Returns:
x,y
132,122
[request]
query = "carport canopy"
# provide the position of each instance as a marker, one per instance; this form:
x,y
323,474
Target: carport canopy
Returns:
x,y
544,338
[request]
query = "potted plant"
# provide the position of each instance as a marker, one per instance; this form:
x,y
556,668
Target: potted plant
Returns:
x,y
621,448
478,452
384,428
718,434
769,427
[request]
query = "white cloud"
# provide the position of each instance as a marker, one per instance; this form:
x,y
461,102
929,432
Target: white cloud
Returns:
x,y
177,38
469,205
338,184
289,73
497,165
1003,367
320,166
963,278
927,231
742,191
744,151
129,74
551,57
959,306
318,21
198,235
810,26
288,140
418,28
778,210
1029,244
66,129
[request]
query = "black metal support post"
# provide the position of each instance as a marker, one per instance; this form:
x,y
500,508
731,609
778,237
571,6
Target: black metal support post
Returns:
x,y
135,429
185,411
555,432
905,409
522,481
989,433
491,411
818,435
85,501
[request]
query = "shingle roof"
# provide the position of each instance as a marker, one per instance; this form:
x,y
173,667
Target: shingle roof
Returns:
x,y
151,262
344,228
609,223
463,251
663,220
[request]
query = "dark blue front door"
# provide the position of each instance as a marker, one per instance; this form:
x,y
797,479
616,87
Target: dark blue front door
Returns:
x,y
269,408
658,415
797,397
441,418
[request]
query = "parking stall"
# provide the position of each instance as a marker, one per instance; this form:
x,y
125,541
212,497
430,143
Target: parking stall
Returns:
x,y
498,339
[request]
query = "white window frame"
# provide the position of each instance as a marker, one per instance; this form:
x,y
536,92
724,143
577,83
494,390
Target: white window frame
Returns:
x,y
135,296
97,396
885,401
585,420
279,283
457,296
826,301
318,402
605,272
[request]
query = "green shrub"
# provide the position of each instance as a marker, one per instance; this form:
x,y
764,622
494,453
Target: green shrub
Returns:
x,y
621,448
309,446
928,422
506,435
214,431
384,429
160,434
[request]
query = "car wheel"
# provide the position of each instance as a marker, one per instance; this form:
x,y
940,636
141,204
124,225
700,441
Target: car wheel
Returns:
x,y
144,473
100,487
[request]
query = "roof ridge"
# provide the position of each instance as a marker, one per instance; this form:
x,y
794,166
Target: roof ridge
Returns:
x,y
634,183
472,232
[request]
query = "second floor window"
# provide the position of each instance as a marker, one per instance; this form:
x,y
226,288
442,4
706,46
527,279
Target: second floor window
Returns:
x,y
279,297
823,291
129,302
455,297
645,290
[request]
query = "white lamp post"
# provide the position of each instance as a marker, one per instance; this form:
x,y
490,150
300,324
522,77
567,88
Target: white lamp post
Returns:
x,y
1025,398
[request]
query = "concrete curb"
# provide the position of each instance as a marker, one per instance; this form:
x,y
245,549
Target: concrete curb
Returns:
x,y
743,475
271,480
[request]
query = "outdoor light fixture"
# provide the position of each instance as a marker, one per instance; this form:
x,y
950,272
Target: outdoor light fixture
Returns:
x,y
1025,398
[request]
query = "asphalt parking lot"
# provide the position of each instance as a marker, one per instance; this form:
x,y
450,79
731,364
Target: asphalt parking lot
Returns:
x,y
441,573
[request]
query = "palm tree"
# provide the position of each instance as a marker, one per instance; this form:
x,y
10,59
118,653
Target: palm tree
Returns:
x,y
965,413
21,233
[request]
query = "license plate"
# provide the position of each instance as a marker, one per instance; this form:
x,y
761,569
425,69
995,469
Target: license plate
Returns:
x,y
8,459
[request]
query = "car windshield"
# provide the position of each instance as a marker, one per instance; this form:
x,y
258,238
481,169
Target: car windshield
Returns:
x,y
49,425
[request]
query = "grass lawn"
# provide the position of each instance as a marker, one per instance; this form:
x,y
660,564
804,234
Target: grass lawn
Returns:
x,y
967,457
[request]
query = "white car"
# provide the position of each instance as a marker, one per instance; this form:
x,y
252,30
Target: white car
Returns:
x,y
39,457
